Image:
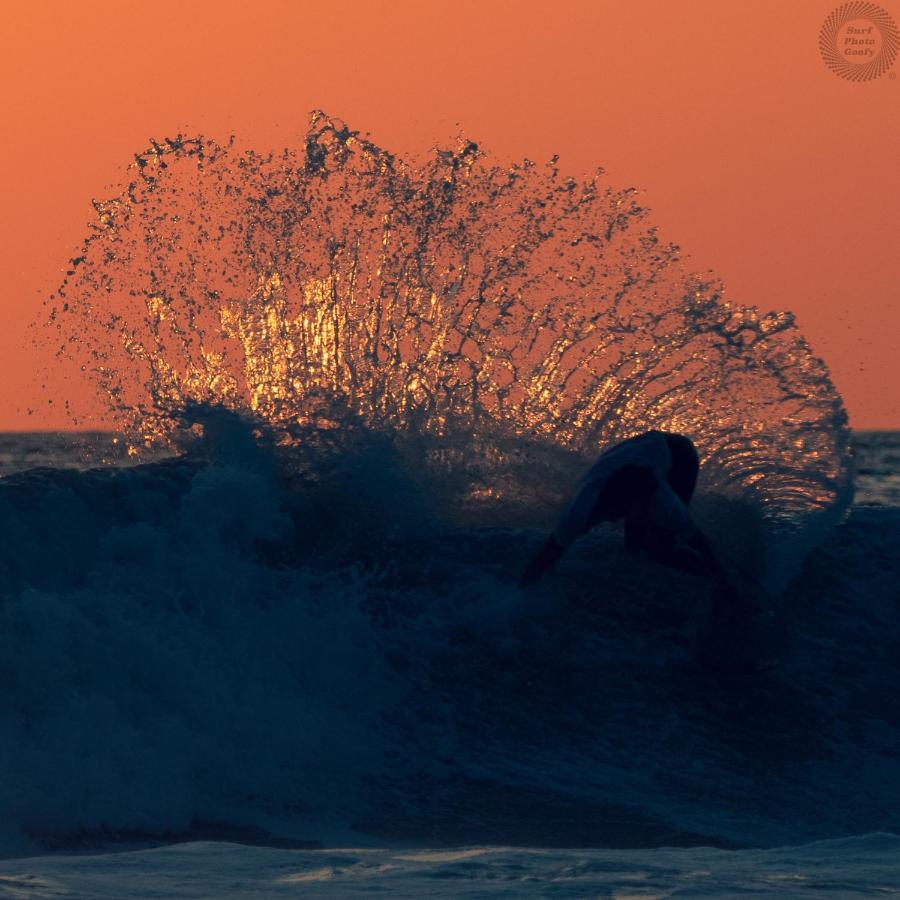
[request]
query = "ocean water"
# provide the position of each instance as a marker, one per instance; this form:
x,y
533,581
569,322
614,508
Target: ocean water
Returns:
x,y
877,468
854,867
876,458
219,680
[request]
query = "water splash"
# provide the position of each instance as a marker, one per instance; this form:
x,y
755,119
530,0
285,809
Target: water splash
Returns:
x,y
334,280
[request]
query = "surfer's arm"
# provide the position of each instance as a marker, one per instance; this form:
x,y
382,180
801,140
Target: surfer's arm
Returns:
x,y
575,521
551,550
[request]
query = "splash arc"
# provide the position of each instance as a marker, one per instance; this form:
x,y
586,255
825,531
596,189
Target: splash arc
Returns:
x,y
334,280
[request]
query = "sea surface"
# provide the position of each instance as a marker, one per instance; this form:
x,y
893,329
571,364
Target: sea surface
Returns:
x,y
876,458
221,682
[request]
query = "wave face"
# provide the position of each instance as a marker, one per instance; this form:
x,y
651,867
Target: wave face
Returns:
x,y
334,282
203,647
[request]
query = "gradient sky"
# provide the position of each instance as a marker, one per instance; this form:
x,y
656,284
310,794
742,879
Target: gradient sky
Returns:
x,y
754,157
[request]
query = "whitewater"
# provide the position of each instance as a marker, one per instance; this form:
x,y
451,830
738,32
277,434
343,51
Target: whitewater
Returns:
x,y
267,638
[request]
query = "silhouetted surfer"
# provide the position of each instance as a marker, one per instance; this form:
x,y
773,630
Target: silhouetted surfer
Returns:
x,y
647,482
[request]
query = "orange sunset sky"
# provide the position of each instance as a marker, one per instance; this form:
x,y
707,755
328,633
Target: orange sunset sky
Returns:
x,y
754,157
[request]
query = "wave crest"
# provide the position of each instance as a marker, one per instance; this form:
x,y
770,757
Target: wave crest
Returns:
x,y
336,280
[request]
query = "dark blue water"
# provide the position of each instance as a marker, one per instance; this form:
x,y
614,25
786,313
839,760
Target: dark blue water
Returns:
x,y
207,643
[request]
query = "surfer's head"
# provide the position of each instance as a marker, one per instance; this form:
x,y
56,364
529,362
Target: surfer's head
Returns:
x,y
685,465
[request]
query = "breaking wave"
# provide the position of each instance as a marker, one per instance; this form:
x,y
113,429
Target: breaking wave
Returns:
x,y
201,647
502,312
377,381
